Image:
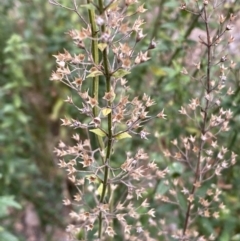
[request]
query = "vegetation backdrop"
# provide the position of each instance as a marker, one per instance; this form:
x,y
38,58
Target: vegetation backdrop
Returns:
x,y
32,186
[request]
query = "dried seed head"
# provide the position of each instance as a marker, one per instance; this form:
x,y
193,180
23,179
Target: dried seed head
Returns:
x,y
92,101
96,121
84,95
184,71
231,39
140,36
126,63
106,37
162,115
129,2
223,59
109,96
78,81
80,44
205,2
56,76
124,28
100,20
232,17
183,6
152,44
141,9
222,18
229,27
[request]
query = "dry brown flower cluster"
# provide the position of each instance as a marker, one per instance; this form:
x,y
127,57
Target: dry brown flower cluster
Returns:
x,y
200,154
106,52
112,118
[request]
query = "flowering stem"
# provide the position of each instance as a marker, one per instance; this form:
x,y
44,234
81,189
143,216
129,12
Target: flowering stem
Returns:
x,y
110,134
95,88
95,95
203,128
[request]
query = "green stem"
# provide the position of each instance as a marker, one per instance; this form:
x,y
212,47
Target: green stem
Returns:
x,y
109,117
95,88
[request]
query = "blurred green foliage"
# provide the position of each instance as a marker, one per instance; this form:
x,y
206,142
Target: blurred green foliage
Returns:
x,y
31,32
5,203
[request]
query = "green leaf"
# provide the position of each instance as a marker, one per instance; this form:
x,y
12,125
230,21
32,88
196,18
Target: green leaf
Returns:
x,y
182,200
10,86
106,111
171,4
120,73
22,117
123,136
98,132
5,203
100,189
176,168
94,74
6,236
56,109
169,26
162,188
171,72
192,130
102,46
159,72
17,101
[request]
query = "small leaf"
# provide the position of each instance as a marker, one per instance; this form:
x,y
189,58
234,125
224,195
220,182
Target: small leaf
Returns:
x,y
123,136
100,189
56,110
106,111
182,200
192,130
162,188
102,46
120,73
98,132
94,74
176,168
159,72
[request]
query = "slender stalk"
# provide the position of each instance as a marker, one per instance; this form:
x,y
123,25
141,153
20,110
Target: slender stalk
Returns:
x,y
110,134
95,88
205,117
95,95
